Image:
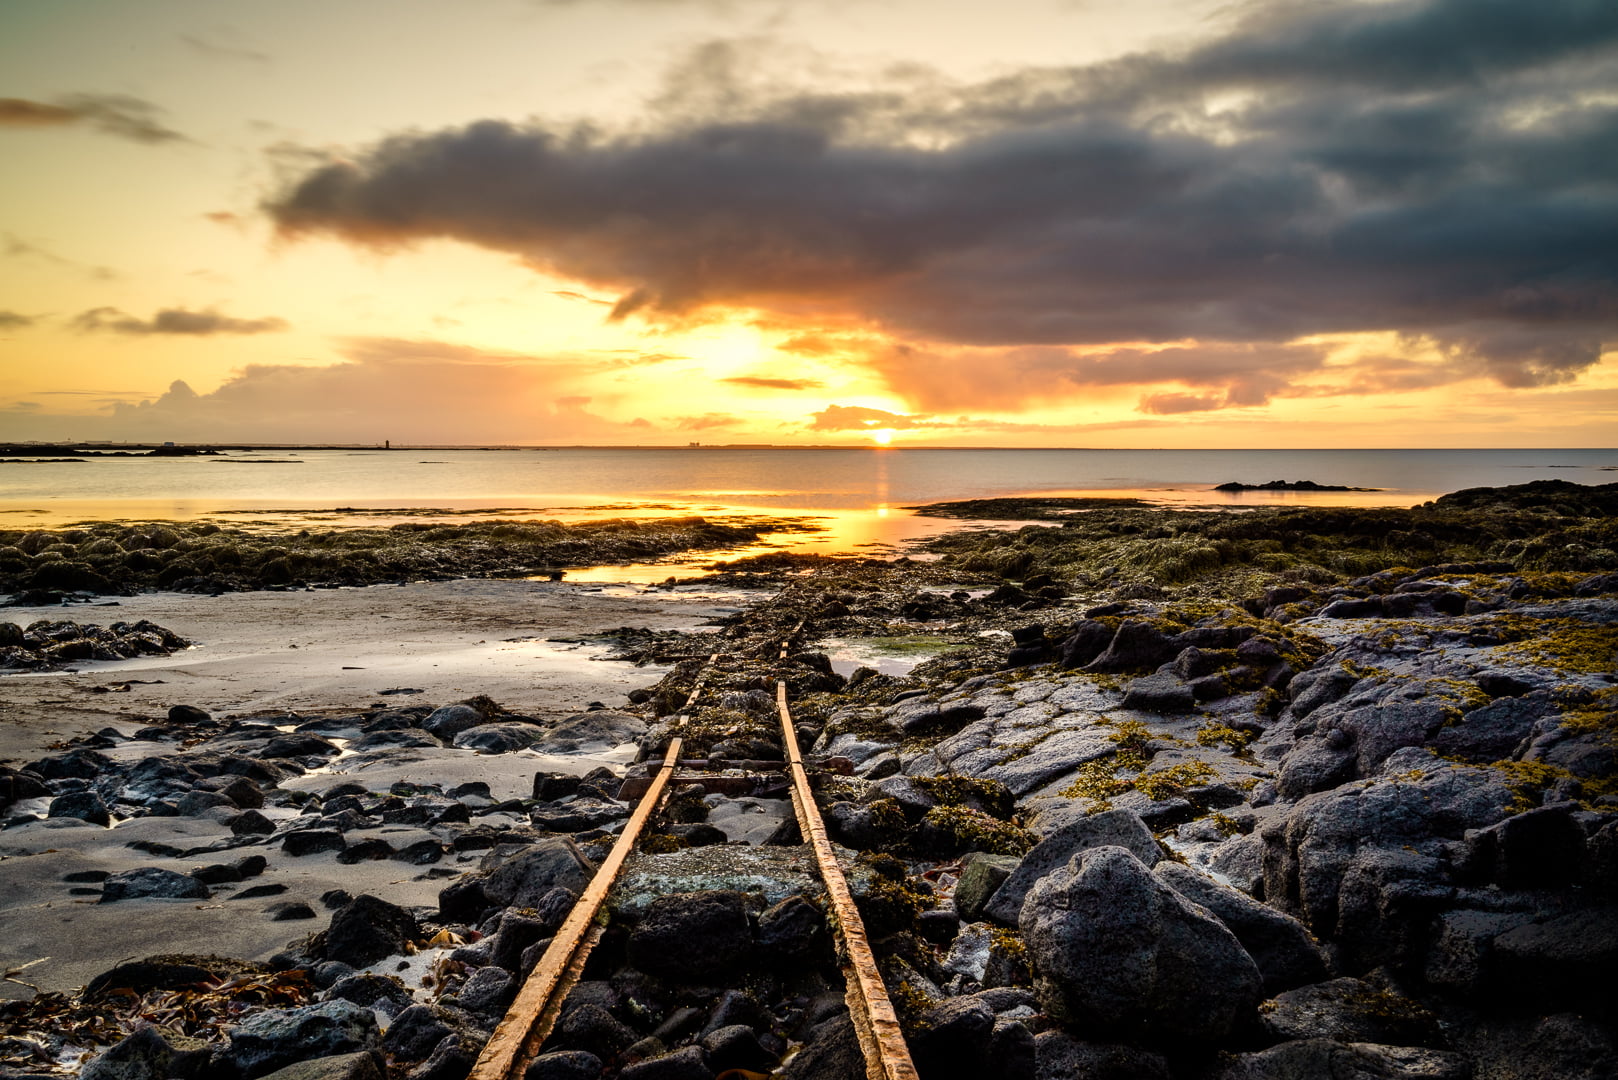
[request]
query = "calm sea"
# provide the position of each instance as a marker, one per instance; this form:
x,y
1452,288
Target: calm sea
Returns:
x,y
859,495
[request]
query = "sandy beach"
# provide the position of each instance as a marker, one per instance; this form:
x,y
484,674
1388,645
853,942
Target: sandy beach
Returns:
x,y
318,652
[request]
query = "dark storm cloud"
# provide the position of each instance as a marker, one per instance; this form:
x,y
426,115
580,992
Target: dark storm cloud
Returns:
x,y
942,380
112,114
1438,168
174,321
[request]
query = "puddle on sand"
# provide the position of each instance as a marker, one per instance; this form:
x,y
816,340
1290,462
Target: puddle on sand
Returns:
x,y
895,655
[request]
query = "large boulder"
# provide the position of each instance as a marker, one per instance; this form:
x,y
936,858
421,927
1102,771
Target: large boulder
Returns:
x,y
1160,692
359,1065
499,738
524,879
1283,949
1119,828
1115,951
366,930
598,729
1137,646
451,720
84,805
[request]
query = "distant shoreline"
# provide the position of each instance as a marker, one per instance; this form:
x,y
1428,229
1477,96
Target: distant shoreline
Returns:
x,y
189,448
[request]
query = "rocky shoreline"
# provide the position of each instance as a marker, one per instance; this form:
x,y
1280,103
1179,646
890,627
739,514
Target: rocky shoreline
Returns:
x,y
120,559
1192,796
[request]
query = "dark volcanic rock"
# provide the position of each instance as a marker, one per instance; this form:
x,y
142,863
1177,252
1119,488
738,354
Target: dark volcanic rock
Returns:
x,y
523,879
386,995
692,936
598,729
84,805
1113,827
275,1038
832,1052
981,874
1285,953
1361,1061
793,931
1161,692
416,1030
590,1027
1062,1057
451,720
1567,959
499,738
736,1047
149,882
953,1040
1350,1011
686,1063
312,841
487,992
1137,646
251,823
1115,951
360,1065
144,1054
565,1065
366,930
1539,848
1365,864
1088,640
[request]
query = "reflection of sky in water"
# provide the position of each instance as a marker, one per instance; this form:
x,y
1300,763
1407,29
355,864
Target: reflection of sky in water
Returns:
x,y
889,656
859,495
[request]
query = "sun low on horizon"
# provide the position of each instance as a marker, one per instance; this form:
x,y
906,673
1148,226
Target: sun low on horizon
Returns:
x,y
878,223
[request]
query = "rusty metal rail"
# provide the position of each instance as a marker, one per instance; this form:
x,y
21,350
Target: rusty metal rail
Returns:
x,y
887,1057
526,1025
519,1036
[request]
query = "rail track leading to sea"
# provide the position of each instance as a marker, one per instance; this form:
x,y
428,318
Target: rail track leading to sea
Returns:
x,y
521,1034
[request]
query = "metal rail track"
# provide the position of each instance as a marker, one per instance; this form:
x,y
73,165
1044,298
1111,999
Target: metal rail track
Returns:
x,y
519,1036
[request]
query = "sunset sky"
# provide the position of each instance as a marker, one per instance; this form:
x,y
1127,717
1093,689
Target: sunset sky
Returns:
x,y
1154,223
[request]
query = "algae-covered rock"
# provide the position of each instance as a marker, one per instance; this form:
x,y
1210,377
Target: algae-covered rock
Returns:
x,y
771,873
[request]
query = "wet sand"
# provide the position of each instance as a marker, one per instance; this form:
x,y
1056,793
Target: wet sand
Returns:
x,y
317,652
334,649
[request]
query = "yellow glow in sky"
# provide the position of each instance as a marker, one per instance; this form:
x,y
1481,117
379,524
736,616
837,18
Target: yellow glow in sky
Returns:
x,y
1034,223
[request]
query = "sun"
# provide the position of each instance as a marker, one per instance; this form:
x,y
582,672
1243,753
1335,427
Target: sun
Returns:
x,y
881,436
